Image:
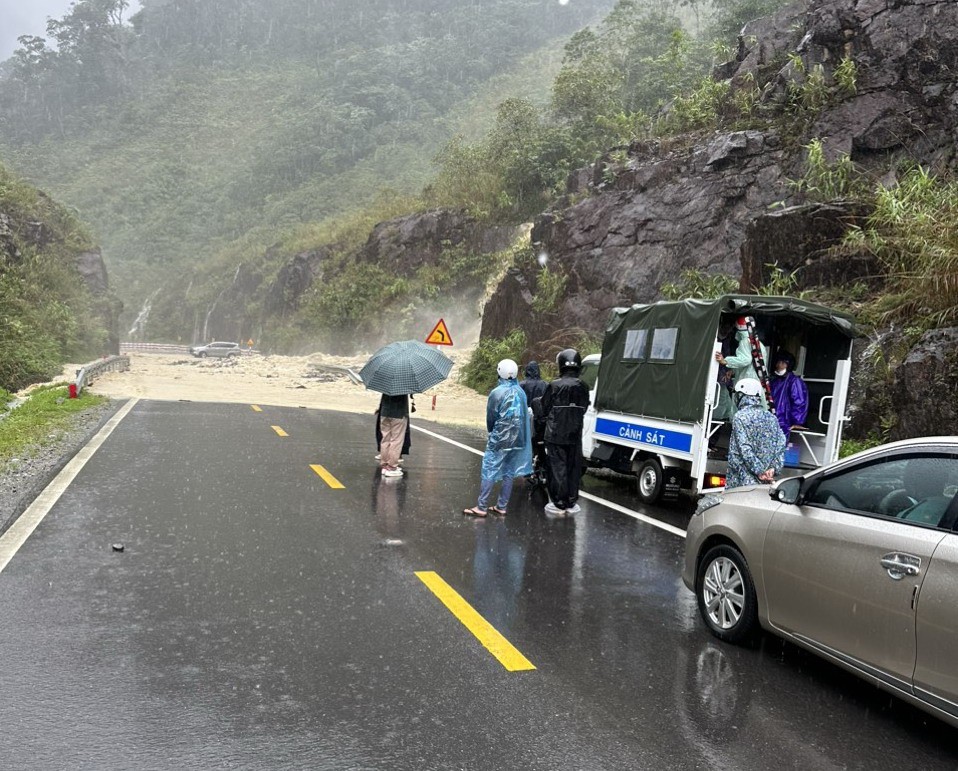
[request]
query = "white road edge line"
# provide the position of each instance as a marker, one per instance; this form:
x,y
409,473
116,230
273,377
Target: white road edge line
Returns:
x,y
20,531
588,496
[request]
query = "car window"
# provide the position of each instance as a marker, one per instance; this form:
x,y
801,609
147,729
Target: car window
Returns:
x,y
914,488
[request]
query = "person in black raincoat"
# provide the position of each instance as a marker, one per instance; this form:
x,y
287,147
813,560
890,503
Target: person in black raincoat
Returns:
x,y
535,387
564,404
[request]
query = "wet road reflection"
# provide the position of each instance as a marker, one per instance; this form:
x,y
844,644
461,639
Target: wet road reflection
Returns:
x,y
259,618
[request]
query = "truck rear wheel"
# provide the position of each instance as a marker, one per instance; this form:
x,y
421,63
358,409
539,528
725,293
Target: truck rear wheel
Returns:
x,y
649,483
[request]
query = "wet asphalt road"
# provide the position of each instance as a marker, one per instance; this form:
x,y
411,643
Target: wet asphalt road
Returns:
x,y
259,618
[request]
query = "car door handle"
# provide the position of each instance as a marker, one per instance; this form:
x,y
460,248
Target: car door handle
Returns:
x,y
900,565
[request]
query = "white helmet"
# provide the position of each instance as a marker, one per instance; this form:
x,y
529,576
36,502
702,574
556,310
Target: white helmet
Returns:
x,y
508,369
748,386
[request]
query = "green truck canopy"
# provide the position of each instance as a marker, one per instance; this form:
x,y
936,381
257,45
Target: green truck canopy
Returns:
x,y
656,358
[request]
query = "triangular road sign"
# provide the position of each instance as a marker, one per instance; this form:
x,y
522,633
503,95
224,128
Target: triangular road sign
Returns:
x,y
439,335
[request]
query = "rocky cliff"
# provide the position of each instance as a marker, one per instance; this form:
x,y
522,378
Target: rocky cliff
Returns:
x,y
24,229
645,220
660,208
249,302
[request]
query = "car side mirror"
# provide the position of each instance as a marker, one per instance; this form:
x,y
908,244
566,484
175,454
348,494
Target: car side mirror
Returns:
x,y
788,490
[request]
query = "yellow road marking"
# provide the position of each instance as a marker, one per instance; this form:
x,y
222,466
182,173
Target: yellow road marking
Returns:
x,y
494,642
256,408
327,477
279,431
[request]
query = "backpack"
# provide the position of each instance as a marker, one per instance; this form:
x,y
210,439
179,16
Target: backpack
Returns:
x,y
538,419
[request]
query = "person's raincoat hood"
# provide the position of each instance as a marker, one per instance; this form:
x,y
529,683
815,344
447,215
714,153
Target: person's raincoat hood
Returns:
x,y
750,402
532,370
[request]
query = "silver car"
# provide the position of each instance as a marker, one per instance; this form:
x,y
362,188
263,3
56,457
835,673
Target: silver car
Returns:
x,y
857,562
223,350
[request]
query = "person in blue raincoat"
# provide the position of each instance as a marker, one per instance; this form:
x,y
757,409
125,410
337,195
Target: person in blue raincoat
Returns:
x,y
509,449
756,451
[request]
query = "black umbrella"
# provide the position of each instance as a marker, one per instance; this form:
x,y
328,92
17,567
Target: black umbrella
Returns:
x,y
406,367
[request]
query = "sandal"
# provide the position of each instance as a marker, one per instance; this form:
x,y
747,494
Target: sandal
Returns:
x,y
475,511
498,511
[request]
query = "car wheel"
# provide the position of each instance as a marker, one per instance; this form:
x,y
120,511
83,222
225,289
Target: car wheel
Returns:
x,y
650,481
726,595
202,354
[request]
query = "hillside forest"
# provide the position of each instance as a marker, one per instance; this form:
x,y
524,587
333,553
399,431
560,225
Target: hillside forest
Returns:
x,y
201,135
272,168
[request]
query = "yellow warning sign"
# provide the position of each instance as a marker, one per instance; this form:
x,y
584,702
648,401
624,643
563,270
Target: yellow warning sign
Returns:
x,y
439,335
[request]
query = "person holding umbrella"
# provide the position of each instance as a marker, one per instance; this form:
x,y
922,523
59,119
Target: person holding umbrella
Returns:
x,y
396,371
393,419
509,448
407,440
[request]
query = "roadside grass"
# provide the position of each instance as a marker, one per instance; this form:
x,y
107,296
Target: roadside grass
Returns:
x,y
41,420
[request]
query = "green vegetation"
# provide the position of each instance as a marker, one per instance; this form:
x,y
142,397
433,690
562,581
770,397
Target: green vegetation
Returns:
x,y
550,289
810,91
480,371
41,420
846,77
211,140
699,283
851,446
911,231
207,124
698,109
781,283
233,134
46,313
825,181
640,73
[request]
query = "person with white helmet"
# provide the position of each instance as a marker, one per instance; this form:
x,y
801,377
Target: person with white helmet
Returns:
x,y
509,448
757,448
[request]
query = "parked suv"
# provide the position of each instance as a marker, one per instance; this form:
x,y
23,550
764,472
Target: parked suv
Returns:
x,y
223,350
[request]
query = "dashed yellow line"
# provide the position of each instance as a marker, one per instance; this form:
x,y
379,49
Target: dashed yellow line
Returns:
x,y
279,431
256,408
327,477
493,641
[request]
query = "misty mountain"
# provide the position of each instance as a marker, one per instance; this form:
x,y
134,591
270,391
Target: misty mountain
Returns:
x,y
195,123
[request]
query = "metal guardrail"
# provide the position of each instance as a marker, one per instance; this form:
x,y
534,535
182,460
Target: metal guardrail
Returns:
x,y
170,348
90,372
350,373
153,348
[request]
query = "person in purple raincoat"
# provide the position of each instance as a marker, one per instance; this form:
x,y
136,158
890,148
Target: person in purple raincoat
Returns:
x,y
789,392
